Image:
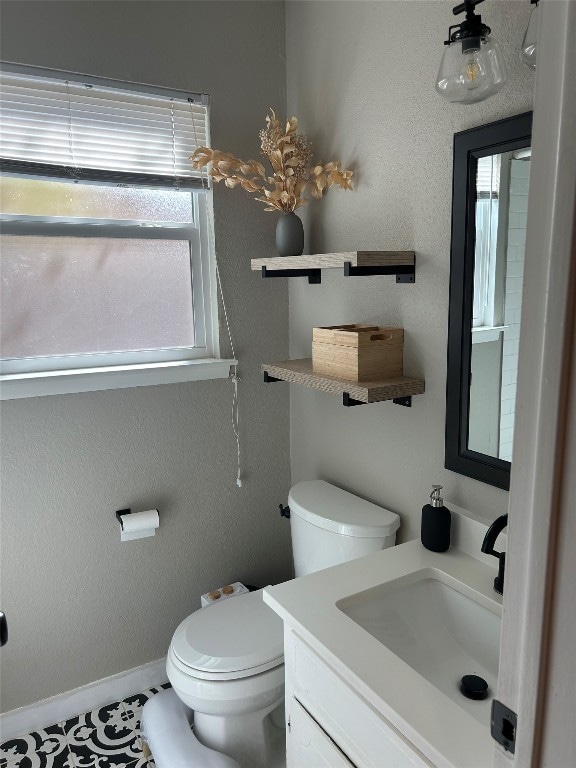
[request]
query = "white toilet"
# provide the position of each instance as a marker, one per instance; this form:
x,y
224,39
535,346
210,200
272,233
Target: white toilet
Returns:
x,y
226,661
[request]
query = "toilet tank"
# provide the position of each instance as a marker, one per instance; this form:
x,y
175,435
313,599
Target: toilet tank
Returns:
x,y
330,526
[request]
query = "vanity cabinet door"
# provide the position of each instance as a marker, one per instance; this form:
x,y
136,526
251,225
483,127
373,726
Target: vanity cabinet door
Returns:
x,y
366,736
308,745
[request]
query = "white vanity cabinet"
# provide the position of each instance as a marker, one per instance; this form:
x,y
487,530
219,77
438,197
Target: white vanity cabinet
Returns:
x,y
329,724
308,745
366,705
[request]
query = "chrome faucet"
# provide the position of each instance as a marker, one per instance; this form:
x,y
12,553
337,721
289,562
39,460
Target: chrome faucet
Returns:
x,y
488,548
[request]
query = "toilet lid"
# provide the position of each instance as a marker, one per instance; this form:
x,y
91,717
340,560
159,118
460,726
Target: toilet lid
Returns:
x,y
238,634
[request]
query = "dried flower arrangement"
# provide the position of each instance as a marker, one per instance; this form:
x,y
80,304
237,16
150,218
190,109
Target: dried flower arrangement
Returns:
x,y
290,155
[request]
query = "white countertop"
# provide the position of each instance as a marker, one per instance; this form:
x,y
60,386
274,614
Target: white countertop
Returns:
x,y
443,731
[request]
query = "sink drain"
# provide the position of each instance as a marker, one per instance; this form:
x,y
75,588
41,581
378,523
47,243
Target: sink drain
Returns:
x,y
474,687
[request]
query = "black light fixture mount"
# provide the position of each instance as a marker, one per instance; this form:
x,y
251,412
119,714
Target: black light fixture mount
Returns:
x,y
470,31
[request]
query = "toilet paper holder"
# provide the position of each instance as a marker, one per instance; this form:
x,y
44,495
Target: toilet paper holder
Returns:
x,y
119,514
137,525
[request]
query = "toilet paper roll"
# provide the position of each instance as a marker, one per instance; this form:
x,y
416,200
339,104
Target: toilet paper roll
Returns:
x,y
137,525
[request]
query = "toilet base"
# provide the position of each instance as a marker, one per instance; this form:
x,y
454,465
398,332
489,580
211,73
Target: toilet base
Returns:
x,y
256,739
167,733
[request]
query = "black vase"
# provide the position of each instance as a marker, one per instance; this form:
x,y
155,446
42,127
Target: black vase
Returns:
x,y
289,235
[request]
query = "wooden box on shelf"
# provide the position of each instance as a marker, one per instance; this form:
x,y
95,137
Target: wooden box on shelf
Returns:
x,y
358,352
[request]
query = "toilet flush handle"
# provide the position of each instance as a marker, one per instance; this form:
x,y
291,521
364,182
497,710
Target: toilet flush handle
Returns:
x,y
3,629
284,511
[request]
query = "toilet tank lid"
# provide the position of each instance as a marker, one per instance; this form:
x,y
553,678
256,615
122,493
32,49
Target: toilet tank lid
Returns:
x,y
326,506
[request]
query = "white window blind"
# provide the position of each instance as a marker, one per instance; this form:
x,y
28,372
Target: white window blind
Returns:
x,y
53,127
488,177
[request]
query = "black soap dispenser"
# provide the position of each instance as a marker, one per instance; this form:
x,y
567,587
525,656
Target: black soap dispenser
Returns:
x,y
436,519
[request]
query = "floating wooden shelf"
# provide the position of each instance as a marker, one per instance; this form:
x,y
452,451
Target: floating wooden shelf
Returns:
x,y
399,263
399,389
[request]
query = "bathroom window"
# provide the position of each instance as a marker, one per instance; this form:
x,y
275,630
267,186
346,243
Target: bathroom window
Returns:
x,y
105,264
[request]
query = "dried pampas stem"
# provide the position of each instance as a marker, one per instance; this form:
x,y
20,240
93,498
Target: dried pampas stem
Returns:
x,y
290,156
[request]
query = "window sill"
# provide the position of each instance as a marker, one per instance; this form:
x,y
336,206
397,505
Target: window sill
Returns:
x,y
14,386
484,333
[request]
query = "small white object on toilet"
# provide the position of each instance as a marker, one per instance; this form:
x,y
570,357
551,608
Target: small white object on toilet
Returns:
x,y
167,732
223,593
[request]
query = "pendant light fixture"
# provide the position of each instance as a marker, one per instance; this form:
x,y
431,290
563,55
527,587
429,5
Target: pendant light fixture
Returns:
x,y
472,68
528,52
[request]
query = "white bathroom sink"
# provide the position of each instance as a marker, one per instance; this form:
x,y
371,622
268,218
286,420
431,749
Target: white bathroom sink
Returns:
x,y
436,625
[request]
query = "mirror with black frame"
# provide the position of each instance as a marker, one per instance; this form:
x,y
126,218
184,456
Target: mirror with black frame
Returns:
x,y
489,212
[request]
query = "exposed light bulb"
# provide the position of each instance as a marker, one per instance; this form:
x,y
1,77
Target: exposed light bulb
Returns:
x,y
473,73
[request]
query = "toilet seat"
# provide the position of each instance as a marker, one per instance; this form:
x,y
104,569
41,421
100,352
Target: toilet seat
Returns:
x,y
227,659
237,638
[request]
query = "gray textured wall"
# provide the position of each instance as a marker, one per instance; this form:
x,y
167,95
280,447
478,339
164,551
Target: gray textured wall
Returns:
x,y
361,80
81,605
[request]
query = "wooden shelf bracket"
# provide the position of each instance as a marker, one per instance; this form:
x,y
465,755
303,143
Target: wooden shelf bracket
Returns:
x,y
349,401
314,275
405,273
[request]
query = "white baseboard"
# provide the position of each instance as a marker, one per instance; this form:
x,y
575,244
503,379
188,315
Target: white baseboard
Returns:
x,y
40,715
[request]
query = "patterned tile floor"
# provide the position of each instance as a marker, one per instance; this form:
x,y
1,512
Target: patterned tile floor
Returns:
x,y
108,737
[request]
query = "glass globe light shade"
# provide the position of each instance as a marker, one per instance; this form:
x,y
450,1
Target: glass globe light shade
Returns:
x,y
528,52
471,70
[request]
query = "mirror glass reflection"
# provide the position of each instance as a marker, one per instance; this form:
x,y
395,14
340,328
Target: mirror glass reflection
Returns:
x,y
502,183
